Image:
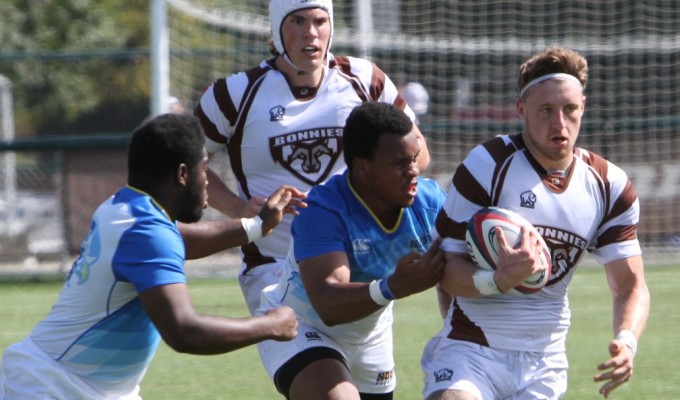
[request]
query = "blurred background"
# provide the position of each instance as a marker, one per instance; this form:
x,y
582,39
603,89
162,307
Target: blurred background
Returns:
x,y
76,76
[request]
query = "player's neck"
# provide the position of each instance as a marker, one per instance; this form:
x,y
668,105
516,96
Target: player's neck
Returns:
x,y
387,214
299,78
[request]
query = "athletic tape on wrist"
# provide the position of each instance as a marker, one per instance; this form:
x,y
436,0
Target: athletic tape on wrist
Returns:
x,y
627,337
376,294
485,283
252,227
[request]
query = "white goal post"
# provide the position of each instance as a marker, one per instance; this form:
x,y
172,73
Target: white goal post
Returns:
x,y
466,54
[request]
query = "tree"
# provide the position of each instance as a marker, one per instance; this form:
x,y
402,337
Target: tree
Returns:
x,y
77,66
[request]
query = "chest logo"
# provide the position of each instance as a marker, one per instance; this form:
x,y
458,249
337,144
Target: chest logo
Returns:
x,y
310,155
277,113
527,199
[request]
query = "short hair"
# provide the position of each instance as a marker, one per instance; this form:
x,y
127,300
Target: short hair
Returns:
x,y
160,144
366,124
550,61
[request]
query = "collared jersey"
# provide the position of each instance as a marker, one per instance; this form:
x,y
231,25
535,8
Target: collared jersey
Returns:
x,y
272,138
98,329
338,220
593,208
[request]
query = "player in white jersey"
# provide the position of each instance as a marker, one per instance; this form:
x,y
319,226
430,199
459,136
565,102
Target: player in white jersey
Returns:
x,y
127,290
282,122
497,344
362,243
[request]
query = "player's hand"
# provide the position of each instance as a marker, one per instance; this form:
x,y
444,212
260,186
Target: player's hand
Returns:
x,y
416,272
285,200
618,369
283,323
517,264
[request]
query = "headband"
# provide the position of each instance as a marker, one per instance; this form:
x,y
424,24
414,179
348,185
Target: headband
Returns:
x,y
559,75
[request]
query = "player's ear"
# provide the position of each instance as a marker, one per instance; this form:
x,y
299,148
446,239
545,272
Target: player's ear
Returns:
x,y
359,164
183,175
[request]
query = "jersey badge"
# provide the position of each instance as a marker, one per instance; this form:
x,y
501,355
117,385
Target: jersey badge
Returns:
x,y
527,199
443,374
277,113
361,245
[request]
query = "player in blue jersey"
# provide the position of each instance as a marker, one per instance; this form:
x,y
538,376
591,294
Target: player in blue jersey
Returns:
x,y
363,242
127,290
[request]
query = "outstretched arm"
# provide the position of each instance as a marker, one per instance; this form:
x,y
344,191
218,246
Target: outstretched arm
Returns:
x,y
631,299
338,301
224,200
204,238
171,310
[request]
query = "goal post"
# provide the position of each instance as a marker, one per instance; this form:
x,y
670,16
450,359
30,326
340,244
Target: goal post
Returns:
x,y
9,181
466,54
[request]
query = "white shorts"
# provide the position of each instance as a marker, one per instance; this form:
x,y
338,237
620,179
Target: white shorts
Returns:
x,y
492,374
256,280
371,363
28,373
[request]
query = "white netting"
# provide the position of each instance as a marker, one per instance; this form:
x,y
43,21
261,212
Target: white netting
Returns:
x,y
466,53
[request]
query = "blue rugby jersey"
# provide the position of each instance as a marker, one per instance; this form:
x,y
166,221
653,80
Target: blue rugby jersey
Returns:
x,y
98,329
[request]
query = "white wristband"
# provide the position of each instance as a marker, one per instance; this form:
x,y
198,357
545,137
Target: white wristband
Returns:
x,y
485,283
628,338
253,227
376,293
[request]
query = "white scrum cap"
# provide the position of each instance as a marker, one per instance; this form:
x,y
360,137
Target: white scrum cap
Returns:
x,y
279,10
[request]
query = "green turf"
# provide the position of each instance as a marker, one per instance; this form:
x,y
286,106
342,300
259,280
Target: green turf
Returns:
x,y
239,375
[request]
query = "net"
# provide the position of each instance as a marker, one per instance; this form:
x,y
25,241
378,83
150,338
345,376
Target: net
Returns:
x,y
466,54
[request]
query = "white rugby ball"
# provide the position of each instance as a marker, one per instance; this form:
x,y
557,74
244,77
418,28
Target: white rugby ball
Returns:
x,y
482,243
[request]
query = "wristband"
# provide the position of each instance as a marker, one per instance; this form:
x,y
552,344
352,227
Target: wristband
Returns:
x,y
627,337
252,227
376,293
485,283
385,289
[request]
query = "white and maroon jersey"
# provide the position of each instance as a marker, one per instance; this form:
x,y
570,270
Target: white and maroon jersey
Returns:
x,y
594,208
272,138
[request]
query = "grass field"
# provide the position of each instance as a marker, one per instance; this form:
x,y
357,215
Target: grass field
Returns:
x,y
239,375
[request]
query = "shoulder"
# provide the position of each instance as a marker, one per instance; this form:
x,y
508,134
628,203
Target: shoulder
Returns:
x,y
352,65
600,165
330,194
493,152
430,194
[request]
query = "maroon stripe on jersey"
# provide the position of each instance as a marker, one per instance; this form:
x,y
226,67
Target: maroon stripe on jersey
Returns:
x,y
468,187
448,228
255,80
624,202
599,169
209,128
464,329
342,63
377,82
223,100
253,258
500,152
617,234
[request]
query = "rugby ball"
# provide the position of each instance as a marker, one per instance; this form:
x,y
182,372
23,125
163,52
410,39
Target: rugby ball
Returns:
x,y
482,243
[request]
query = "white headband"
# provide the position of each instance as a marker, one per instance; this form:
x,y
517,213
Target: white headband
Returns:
x,y
559,75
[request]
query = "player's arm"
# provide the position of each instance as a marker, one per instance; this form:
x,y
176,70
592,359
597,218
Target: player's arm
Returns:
x,y
631,302
463,278
172,312
458,275
333,296
223,199
204,238
338,301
